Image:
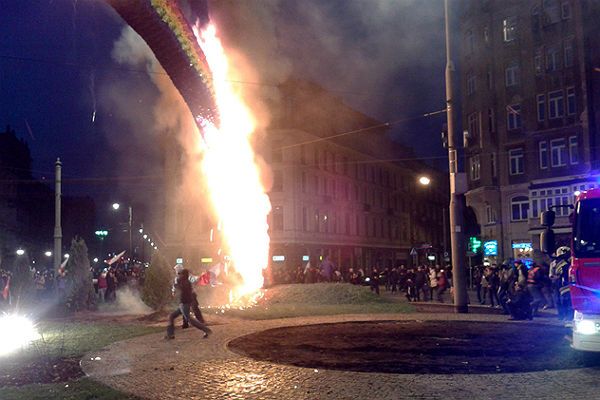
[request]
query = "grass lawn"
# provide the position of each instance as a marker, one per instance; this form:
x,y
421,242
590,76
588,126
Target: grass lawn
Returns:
x,y
62,340
298,300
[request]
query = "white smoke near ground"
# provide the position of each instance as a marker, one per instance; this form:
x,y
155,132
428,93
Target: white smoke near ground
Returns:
x,y
128,302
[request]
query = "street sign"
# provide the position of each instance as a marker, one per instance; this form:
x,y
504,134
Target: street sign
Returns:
x,y
101,234
413,252
474,244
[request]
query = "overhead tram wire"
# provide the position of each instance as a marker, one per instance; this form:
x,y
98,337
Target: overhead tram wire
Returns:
x,y
368,128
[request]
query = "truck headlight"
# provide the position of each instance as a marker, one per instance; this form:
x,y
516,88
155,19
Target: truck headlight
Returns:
x,y
585,327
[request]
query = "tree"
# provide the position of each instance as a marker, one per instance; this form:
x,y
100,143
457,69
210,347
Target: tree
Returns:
x,y
79,294
156,292
21,283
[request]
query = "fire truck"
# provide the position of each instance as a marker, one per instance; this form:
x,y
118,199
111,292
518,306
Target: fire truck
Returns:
x,y
584,273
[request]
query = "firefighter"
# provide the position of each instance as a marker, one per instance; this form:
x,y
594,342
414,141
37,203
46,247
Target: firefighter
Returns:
x,y
559,274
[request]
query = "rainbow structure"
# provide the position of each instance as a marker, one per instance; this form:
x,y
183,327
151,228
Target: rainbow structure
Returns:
x,y
164,27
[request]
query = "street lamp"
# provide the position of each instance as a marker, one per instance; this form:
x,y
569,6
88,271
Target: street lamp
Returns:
x,y
20,252
424,180
48,253
66,255
116,206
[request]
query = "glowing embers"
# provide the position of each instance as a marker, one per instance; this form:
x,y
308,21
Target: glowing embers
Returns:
x,y
235,189
16,332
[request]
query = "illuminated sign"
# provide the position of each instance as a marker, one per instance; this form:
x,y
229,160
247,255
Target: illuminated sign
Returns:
x,y
474,244
431,257
101,234
490,248
305,258
179,261
206,260
524,246
278,258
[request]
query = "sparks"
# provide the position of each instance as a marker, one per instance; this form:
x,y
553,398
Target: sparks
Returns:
x,y
16,332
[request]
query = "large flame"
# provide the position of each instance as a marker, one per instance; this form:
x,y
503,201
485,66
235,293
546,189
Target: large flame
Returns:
x,y
232,175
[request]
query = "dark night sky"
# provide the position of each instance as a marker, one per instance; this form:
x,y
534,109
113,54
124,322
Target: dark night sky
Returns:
x,y
384,57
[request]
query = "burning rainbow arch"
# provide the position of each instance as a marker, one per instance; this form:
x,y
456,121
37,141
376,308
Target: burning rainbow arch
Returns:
x,y
193,57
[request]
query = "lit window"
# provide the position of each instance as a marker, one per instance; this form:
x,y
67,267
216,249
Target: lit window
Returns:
x,y
558,151
519,208
574,149
513,116
543,146
556,105
473,124
509,29
515,161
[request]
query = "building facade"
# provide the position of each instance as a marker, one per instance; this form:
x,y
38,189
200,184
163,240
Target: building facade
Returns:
x,y
348,197
529,84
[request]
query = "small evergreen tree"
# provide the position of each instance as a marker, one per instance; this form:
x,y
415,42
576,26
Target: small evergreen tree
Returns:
x,y
79,287
21,283
156,292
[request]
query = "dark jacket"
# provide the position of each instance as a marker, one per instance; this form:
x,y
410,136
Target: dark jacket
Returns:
x,y
186,293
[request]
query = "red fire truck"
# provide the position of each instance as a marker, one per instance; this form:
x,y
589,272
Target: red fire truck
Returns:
x,y
584,274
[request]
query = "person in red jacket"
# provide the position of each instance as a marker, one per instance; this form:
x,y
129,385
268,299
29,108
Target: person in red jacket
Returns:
x,y
102,285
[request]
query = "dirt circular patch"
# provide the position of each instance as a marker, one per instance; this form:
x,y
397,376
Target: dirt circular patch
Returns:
x,y
422,347
51,370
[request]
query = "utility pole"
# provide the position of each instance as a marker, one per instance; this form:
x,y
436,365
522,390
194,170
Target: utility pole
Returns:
x,y
457,183
57,215
130,234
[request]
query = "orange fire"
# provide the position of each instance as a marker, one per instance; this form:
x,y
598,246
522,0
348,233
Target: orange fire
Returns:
x,y
232,174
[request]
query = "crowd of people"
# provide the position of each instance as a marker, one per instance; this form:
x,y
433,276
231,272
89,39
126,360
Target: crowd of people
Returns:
x,y
521,291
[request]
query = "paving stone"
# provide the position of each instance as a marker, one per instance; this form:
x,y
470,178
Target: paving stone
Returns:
x,y
194,368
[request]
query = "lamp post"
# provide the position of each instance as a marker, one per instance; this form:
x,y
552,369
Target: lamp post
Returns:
x,y
425,181
457,183
115,207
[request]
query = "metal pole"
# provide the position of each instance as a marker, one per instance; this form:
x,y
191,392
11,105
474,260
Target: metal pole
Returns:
x,y
456,212
445,231
57,215
130,234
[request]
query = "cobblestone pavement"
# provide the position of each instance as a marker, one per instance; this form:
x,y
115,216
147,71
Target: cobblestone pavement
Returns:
x,y
190,367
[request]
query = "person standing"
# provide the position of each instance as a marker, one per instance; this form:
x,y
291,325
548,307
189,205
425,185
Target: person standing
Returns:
x,y
432,282
186,298
102,285
534,287
442,284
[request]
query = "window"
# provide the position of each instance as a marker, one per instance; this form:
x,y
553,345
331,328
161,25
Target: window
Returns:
x,y
558,151
469,42
555,104
541,107
513,116
493,165
304,219
278,218
543,147
538,61
276,151
303,182
473,123
565,10
552,12
571,101
509,29
543,199
515,161
520,208
568,53
574,149
490,214
277,181
552,59
486,34
491,120
470,84
512,75
475,167
490,80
